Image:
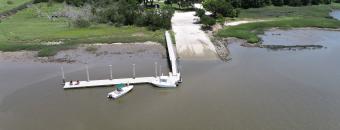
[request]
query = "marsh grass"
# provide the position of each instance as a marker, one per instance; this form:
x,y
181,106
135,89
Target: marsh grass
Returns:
x,y
281,17
27,29
10,4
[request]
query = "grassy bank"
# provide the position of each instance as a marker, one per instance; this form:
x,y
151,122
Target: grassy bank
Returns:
x,y
282,17
27,29
9,4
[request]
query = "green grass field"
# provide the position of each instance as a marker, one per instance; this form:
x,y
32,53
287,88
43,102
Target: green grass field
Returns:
x,y
282,17
27,29
9,4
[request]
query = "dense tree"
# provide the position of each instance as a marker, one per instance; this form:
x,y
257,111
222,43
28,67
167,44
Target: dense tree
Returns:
x,y
220,7
278,2
295,3
122,12
306,2
200,12
236,3
207,22
268,2
182,3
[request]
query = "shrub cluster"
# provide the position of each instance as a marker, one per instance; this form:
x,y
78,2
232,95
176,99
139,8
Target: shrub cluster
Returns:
x,y
81,23
205,20
200,12
129,13
9,2
120,12
220,7
155,18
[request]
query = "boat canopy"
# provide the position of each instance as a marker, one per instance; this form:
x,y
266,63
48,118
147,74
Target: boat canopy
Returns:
x,y
119,86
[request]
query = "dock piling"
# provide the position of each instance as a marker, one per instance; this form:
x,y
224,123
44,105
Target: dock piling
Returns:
x,y
87,73
156,69
160,70
111,77
62,74
134,70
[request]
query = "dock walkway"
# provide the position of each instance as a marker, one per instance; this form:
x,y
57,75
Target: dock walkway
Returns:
x,y
108,82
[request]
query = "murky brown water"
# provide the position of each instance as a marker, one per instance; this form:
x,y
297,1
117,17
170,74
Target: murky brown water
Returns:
x,y
257,89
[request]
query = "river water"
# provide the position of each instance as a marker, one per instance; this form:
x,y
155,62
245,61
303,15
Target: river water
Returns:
x,y
257,89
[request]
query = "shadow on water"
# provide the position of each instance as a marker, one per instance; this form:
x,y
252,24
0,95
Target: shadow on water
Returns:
x,y
292,47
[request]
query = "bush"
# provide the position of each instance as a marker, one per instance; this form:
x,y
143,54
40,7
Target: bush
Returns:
x,y
9,2
207,22
200,12
39,1
220,7
50,3
167,2
155,18
278,2
48,51
76,2
122,12
81,23
295,3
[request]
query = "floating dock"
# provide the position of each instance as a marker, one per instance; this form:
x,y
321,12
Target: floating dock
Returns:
x,y
170,80
107,82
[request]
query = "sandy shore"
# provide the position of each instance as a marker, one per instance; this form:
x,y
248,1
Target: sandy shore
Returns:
x,y
97,53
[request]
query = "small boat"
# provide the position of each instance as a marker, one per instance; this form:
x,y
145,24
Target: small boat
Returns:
x,y
167,81
120,91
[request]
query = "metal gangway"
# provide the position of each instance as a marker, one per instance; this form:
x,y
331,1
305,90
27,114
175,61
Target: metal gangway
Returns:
x,y
170,80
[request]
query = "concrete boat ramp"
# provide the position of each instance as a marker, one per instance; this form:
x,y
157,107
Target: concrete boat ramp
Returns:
x,y
170,80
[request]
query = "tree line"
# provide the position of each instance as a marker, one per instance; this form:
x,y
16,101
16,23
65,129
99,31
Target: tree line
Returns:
x,y
228,8
262,3
122,12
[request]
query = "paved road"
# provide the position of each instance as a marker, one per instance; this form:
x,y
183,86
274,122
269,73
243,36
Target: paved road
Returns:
x,y
191,42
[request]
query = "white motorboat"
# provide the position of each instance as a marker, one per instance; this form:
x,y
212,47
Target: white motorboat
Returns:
x,y
170,81
120,91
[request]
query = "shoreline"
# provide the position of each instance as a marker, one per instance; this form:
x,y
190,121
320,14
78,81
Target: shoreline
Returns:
x,y
90,53
245,43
